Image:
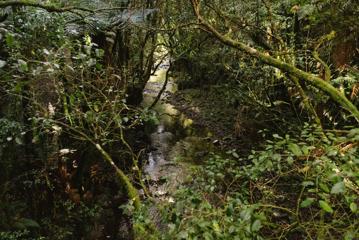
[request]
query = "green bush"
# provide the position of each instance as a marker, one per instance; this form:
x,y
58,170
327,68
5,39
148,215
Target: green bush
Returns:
x,y
299,186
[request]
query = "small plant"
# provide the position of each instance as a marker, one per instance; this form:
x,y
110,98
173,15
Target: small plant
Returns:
x,y
10,131
310,180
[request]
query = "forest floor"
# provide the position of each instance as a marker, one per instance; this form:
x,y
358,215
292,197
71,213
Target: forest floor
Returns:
x,y
210,112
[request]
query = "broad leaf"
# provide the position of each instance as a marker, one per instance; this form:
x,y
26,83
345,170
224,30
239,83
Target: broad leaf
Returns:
x,y
256,226
338,188
29,223
354,207
325,206
307,202
295,149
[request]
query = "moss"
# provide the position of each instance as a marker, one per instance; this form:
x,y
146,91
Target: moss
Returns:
x,y
131,190
310,78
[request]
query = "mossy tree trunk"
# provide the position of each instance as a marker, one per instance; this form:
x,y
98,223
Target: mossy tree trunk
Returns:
x,y
309,78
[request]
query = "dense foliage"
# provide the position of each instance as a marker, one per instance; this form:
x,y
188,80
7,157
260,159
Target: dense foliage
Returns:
x,y
64,106
73,132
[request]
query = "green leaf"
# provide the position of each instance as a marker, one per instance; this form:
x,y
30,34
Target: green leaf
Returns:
x,y
232,229
27,222
9,39
99,53
256,226
203,224
183,235
306,10
307,202
96,108
349,235
295,149
324,187
207,236
325,206
354,207
307,183
305,150
246,214
339,187
354,132
19,225
2,63
22,65
277,136
18,141
18,87
332,152
276,157
216,227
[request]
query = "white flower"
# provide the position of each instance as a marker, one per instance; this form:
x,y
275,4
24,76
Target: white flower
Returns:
x,y
57,129
51,110
65,151
170,200
46,51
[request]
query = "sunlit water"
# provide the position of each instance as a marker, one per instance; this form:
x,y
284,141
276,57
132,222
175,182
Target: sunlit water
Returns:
x,y
160,164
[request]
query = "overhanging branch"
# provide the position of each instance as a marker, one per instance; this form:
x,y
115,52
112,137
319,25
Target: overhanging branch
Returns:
x,y
310,78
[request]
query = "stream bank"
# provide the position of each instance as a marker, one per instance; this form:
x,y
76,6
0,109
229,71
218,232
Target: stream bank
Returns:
x,y
186,136
176,144
191,124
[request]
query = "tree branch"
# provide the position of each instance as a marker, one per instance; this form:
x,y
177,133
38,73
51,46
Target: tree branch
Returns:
x,y
310,78
163,87
327,72
123,178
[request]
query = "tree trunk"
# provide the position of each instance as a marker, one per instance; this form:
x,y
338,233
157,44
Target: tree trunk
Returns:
x,y
310,78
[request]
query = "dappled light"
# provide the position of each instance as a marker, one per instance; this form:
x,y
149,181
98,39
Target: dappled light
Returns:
x,y
179,119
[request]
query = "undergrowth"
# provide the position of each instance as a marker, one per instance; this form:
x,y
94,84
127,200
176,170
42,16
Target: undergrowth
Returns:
x,y
299,186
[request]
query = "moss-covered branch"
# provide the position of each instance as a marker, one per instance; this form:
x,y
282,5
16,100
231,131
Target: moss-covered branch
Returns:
x,y
327,72
131,191
307,104
310,78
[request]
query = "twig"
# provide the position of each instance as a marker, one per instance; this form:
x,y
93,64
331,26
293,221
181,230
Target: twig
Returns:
x,y
163,87
327,72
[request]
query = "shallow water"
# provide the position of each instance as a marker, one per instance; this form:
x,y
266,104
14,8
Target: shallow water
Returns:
x,y
174,146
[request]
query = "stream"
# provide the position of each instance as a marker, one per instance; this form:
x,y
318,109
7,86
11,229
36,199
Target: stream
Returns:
x,y
160,169
172,151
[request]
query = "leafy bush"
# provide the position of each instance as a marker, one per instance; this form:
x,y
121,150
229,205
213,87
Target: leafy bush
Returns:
x,y
17,235
313,178
300,186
